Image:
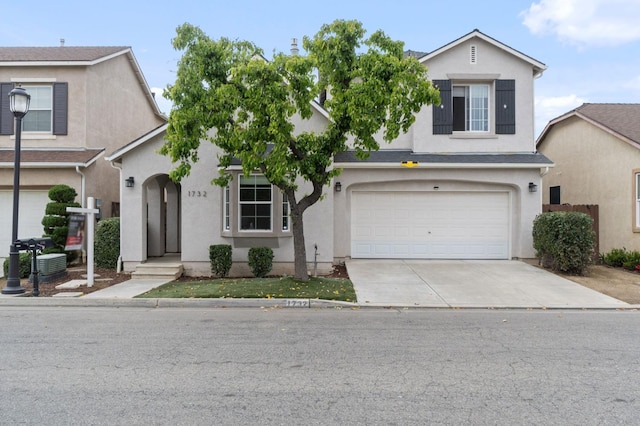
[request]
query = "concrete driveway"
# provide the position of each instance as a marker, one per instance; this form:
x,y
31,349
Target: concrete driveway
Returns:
x,y
468,284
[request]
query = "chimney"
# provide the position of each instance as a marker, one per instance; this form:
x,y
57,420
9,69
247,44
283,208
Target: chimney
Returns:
x,y
294,47
61,42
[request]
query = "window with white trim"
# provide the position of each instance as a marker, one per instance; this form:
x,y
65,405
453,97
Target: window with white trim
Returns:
x,y
255,203
40,116
286,212
637,200
227,209
471,108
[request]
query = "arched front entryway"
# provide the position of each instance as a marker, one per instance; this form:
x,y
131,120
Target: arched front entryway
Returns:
x,y
163,216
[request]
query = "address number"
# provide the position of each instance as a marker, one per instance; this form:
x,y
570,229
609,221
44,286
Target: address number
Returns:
x,y
197,194
297,303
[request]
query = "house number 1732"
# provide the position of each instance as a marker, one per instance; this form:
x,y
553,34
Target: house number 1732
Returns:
x,y
197,194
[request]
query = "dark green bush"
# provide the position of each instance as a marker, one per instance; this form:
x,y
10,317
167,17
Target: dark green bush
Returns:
x,y
615,257
62,194
25,265
631,260
564,241
220,257
260,261
59,209
107,243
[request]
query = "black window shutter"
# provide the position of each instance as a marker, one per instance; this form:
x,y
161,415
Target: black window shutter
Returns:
x,y
505,107
443,114
60,103
6,116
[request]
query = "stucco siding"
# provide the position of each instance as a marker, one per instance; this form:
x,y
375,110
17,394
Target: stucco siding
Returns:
x,y
594,167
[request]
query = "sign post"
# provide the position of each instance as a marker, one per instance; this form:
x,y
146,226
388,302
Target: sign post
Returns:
x,y
91,213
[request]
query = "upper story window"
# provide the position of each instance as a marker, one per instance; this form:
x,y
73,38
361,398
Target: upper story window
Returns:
x,y
475,107
39,118
471,108
47,111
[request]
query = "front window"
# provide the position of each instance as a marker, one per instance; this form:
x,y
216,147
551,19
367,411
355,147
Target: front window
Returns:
x,y
39,117
637,200
255,203
286,212
471,108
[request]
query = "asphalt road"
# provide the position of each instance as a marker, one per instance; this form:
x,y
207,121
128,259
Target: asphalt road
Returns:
x,y
135,366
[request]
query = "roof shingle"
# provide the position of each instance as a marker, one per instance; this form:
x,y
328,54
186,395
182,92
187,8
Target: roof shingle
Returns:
x,y
59,53
623,119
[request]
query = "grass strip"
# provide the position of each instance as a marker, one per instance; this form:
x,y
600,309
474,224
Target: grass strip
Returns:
x,y
258,288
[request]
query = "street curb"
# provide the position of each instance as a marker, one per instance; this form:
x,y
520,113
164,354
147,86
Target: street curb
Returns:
x,y
81,302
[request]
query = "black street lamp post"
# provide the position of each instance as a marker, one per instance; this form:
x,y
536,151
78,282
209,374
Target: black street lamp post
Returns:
x,y
19,105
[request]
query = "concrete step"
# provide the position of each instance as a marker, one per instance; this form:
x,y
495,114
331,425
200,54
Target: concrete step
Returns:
x,y
158,270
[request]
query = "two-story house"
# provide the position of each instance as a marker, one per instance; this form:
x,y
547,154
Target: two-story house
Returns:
x,y
84,101
461,184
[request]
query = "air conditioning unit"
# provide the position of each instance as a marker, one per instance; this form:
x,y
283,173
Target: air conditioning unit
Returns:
x,y
53,263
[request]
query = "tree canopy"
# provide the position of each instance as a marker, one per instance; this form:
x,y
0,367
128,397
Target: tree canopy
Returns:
x,y
227,93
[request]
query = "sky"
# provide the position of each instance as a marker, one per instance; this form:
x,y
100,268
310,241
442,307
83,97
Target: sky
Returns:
x,y
591,47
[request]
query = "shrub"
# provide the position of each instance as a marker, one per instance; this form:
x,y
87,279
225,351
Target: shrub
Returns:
x,y
631,260
56,219
615,257
564,240
220,257
107,243
24,269
260,261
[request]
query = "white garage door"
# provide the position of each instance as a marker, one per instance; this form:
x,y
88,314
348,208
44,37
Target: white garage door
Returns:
x,y
430,225
30,213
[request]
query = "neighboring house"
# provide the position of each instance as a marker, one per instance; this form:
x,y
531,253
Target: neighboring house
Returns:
x,y
84,101
456,186
596,150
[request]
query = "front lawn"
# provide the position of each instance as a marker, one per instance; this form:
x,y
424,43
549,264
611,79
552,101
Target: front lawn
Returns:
x,y
278,287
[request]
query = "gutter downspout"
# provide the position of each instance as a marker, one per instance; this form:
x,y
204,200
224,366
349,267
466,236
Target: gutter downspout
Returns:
x,y
119,264
82,186
544,171
83,180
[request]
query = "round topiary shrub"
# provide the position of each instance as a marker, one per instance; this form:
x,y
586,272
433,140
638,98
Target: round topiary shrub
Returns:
x,y
107,243
260,261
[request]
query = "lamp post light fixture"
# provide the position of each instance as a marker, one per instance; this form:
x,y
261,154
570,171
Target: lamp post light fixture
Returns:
x,y
19,101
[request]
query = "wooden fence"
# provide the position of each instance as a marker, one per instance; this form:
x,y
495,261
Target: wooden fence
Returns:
x,y
589,209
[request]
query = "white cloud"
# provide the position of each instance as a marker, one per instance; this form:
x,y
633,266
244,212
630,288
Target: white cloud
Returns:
x,y
548,108
586,23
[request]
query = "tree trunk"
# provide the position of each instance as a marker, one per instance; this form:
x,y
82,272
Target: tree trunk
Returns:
x,y
300,251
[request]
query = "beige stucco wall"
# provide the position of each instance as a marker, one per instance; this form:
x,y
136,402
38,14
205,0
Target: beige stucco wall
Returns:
x,y
594,167
107,108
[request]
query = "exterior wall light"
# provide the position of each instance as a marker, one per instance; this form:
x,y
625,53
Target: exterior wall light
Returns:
x,y
533,187
337,187
128,182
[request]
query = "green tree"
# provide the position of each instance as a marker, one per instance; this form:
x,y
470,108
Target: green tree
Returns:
x,y
249,102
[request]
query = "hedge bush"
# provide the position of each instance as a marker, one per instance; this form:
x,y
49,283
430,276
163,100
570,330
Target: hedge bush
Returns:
x,y
631,260
24,270
260,261
564,241
107,243
615,257
220,257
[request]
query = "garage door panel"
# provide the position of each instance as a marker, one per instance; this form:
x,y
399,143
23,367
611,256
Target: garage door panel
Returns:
x,y
441,225
31,211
